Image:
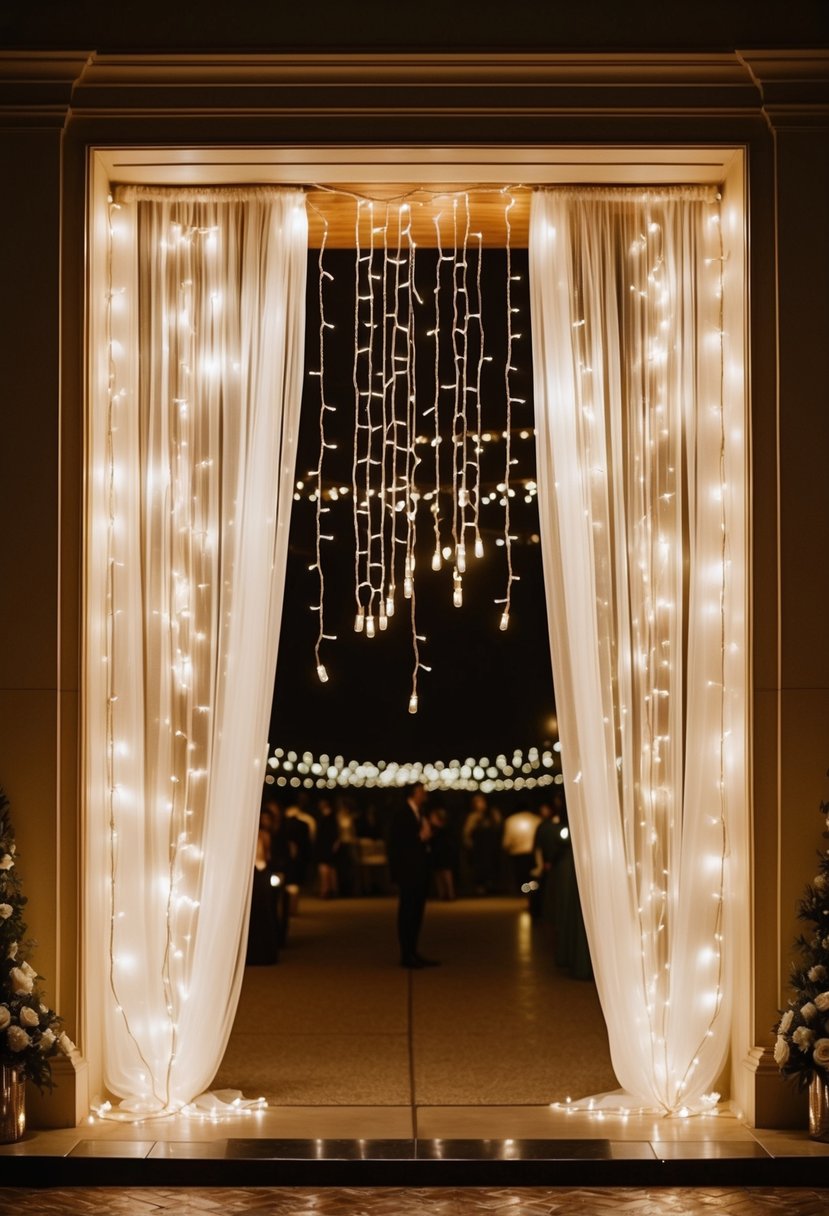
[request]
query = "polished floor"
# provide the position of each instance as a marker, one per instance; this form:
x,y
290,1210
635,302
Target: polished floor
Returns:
x,y
448,1077
338,1022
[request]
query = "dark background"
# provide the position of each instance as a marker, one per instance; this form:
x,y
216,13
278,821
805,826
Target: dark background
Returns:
x,y
501,25
488,691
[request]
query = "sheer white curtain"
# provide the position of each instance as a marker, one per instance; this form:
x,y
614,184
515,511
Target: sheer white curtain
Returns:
x,y
640,475
191,447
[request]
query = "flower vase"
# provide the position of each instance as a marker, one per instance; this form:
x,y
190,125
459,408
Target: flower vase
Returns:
x,y
819,1107
12,1104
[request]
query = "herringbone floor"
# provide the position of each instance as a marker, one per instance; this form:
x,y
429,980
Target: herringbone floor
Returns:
x,y
388,1201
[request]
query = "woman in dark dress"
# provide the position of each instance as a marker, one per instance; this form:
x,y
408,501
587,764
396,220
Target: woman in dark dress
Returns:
x,y
263,930
327,847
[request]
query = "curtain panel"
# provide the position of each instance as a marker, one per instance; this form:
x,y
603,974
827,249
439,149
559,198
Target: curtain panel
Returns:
x,y
641,498
191,450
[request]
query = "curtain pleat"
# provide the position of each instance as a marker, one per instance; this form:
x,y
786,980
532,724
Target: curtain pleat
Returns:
x,y
192,464
644,570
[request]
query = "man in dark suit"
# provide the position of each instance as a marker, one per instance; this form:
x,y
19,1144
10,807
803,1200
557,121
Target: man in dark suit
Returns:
x,y
409,866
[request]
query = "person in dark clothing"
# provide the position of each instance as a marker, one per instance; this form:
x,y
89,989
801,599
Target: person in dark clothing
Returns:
x,y
326,848
263,932
410,870
442,853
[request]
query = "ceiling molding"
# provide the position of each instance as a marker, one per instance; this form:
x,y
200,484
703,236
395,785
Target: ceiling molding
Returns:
x,y
794,86
36,89
415,84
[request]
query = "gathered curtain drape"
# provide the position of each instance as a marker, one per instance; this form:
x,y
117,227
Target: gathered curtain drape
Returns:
x,y
641,492
191,448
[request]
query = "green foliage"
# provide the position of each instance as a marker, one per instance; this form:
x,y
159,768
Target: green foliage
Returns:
x,y
802,1044
30,1032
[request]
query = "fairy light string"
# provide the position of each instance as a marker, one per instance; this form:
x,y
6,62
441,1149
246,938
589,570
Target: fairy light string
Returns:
x,y
385,498
117,392
325,407
359,618
508,369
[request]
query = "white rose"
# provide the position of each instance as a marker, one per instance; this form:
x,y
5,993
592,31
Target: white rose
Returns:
x,y
6,862
27,970
65,1044
5,1016
781,1051
786,1022
822,1001
816,974
28,1017
808,1011
5,911
22,983
821,1053
803,1038
17,1039
12,951
46,1039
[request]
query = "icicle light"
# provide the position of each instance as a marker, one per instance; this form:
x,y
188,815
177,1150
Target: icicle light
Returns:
x,y
389,411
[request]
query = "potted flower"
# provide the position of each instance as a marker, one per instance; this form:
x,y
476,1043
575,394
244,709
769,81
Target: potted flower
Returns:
x,y
30,1032
801,1048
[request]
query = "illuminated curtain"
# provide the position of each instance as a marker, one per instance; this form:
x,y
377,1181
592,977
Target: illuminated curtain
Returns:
x,y
191,457
640,487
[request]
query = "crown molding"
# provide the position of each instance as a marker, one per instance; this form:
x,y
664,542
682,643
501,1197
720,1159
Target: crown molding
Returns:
x,y
794,86
36,88
790,87
414,83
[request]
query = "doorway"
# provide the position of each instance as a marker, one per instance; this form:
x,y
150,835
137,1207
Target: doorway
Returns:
x,y
236,168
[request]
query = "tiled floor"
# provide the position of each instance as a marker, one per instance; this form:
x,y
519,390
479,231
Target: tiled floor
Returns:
x,y
338,1021
366,1065
307,1201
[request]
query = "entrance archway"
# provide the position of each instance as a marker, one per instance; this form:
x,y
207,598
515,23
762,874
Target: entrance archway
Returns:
x,y
736,306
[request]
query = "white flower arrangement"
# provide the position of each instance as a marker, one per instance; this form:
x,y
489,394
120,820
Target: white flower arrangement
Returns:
x,y
30,1032
801,1049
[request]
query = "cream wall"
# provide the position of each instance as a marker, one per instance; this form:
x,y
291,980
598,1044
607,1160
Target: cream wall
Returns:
x,y
777,107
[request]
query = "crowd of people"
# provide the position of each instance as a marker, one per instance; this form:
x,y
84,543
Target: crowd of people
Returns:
x,y
337,847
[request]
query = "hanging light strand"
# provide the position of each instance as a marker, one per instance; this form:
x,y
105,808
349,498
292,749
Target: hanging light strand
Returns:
x,y
412,459
437,558
322,671
463,492
387,377
508,369
370,393
359,619
478,440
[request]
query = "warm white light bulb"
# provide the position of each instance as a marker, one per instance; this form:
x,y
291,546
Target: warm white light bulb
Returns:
x,y
504,621
408,587
437,560
322,673
463,498
460,557
479,547
383,619
359,621
370,625
413,703
389,605
457,595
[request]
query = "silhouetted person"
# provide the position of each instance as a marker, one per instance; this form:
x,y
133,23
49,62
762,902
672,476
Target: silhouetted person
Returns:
x,y
263,931
410,870
482,841
547,848
442,853
326,848
519,835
